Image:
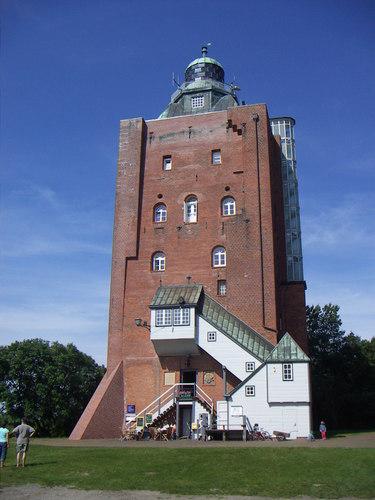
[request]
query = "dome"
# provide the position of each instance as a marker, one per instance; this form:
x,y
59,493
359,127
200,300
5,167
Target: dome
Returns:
x,y
204,68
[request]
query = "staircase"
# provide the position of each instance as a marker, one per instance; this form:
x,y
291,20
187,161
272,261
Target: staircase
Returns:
x,y
163,408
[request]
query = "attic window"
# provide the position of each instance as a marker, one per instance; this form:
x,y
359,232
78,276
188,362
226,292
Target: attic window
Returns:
x,y
197,102
287,372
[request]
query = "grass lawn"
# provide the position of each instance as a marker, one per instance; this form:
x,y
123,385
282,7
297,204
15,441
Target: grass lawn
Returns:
x,y
277,472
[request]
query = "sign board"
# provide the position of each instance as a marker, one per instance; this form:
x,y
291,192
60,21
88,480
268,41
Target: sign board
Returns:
x,y
148,418
130,409
140,422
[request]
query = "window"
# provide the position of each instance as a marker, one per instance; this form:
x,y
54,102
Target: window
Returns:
x,y
222,287
158,261
163,317
249,366
181,316
287,371
211,336
160,213
216,156
167,162
197,102
228,206
219,257
249,390
191,209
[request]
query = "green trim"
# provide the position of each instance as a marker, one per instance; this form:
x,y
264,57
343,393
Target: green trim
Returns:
x,y
204,60
235,329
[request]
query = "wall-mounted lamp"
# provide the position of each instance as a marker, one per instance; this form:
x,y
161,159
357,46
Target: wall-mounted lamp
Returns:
x,y
142,323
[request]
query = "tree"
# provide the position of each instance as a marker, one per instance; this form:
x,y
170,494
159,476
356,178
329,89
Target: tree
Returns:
x,y
343,371
48,382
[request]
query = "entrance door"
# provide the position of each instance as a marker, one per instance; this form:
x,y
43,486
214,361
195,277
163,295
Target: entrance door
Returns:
x,y
185,420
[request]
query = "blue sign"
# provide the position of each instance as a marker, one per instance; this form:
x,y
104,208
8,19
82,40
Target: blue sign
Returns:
x,y
130,409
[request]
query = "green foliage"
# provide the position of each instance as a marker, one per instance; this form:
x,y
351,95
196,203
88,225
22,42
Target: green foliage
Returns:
x,y
268,472
48,382
343,371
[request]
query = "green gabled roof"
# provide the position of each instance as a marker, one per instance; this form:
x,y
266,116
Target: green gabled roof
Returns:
x,y
287,350
215,314
176,295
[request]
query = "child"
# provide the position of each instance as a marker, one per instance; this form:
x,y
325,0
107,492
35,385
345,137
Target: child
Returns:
x,y
323,430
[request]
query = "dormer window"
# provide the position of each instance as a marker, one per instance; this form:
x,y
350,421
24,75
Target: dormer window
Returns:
x,y
197,102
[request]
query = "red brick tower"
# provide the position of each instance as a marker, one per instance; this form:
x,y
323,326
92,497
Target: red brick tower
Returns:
x,y
199,201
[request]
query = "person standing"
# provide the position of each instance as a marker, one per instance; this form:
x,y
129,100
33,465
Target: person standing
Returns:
x,y
4,444
323,430
23,432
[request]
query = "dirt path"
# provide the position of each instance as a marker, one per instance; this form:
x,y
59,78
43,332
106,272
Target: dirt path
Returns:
x,y
33,492
360,440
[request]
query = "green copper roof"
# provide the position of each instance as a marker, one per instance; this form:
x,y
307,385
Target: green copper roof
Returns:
x,y
287,350
235,329
176,295
204,60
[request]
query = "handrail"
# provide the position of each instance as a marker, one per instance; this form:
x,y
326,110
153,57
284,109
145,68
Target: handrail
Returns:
x,y
167,396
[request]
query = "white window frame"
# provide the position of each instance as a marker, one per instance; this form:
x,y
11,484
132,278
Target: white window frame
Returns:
x,y
222,288
250,390
228,206
216,156
160,213
249,366
181,316
197,102
191,210
167,162
288,372
163,317
219,257
211,336
158,262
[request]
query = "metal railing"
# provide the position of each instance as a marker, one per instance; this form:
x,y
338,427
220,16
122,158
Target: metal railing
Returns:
x,y
177,392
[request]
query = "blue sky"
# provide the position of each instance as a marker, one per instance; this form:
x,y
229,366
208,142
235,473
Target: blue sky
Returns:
x,y
71,69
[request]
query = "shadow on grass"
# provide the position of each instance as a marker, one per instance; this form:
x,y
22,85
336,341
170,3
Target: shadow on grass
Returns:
x,y
340,433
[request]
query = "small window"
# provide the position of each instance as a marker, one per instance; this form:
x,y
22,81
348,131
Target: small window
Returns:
x,y
228,206
181,316
191,209
222,287
163,317
197,102
158,262
211,336
216,156
249,366
249,390
160,213
219,257
167,162
287,371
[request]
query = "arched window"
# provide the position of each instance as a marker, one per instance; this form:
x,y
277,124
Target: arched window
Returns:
x,y
158,261
160,213
228,206
191,209
219,257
